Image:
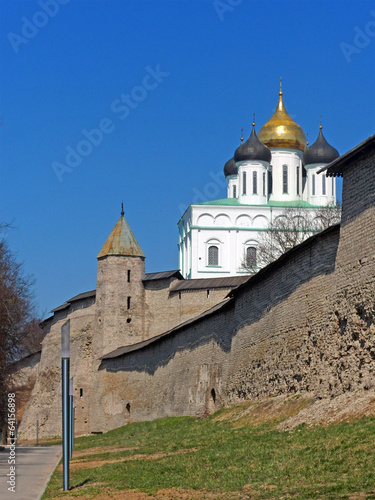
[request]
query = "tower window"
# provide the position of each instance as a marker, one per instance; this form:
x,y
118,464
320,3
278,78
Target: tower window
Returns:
x,y
297,180
81,392
285,179
234,191
251,256
313,184
255,187
128,407
129,298
264,184
244,183
213,256
323,184
208,294
129,276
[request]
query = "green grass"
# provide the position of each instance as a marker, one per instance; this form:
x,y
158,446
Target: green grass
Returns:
x,y
308,463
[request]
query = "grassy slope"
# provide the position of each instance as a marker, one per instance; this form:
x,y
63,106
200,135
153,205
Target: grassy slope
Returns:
x,y
225,456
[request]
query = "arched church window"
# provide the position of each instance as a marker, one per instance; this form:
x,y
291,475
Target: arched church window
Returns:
x,y
297,180
244,183
213,255
264,184
270,180
313,184
234,191
251,256
323,184
255,187
285,179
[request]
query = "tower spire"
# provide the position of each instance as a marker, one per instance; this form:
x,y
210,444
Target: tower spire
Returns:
x,y
253,119
241,135
320,126
122,209
281,86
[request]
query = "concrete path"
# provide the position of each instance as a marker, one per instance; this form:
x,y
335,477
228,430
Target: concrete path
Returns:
x,y
34,465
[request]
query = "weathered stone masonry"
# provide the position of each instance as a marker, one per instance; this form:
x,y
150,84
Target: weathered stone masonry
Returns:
x,y
303,324
164,308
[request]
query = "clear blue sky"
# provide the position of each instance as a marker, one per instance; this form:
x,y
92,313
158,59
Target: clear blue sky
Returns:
x,y
70,74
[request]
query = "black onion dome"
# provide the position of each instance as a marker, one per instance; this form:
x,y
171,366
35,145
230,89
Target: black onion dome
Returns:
x,y
320,151
252,149
230,168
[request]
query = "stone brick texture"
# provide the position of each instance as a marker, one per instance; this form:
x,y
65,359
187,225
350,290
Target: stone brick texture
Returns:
x,y
166,309
23,375
119,323
45,400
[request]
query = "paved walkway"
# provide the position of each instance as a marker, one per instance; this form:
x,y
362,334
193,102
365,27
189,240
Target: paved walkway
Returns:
x,y
34,465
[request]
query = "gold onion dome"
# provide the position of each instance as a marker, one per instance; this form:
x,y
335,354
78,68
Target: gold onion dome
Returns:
x,y
281,131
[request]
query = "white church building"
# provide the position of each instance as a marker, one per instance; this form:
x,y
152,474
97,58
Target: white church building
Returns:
x,y
268,173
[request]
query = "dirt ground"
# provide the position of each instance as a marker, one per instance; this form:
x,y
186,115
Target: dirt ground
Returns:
x,y
93,464
247,493
172,494
294,410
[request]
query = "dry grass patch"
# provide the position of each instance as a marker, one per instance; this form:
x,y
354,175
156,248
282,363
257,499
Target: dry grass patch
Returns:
x,y
98,450
273,409
93,464
169,494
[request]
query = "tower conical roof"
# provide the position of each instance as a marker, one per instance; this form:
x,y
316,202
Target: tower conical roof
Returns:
x,y
281,131
121,241
320,151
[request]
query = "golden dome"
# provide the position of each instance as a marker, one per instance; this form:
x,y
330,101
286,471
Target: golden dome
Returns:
x,y
281,131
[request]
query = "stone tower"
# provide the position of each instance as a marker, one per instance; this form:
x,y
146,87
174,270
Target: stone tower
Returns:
x,y
120,295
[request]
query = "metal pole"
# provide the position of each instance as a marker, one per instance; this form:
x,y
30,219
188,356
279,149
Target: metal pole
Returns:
x,y
74,412
37,429
71,437
65,361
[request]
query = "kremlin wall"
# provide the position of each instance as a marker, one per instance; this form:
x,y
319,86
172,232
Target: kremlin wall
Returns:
x,y
145,346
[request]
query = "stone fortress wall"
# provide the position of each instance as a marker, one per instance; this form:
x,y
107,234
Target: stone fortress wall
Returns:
x,y
303,324
45,400
164,308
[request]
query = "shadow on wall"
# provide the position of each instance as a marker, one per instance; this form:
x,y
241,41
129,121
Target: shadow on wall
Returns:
x,y
269,287
216,327
274,284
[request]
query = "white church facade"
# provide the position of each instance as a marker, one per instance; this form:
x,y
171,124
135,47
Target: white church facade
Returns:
x,y
270,172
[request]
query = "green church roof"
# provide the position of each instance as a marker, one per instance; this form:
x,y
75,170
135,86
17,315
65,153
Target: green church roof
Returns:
x,y
121,241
